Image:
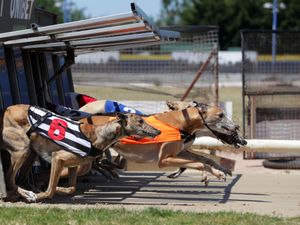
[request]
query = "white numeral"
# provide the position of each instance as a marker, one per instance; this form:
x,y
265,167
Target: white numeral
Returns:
x,y
130,110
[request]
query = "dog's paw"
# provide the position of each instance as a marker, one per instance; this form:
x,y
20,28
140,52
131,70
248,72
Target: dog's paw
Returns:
x,y
177,173
30,196
173,175
205,180
227,171
221,176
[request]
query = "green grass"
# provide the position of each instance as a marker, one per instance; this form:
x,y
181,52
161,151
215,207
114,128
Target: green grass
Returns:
x,y
38,216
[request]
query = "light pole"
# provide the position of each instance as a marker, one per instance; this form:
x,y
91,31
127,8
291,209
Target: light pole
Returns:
x,y
275,8
274,28
66,10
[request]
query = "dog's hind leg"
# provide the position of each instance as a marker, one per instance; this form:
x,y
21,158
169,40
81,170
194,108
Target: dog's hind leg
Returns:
x,y
57,165
61,159
17,160
177,173
18,146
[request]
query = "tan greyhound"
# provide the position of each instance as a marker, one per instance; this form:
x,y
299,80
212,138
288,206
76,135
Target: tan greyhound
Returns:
x,y
17,141
173,153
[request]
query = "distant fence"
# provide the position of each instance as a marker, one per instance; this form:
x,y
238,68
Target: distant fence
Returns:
x,y
166,70
271,86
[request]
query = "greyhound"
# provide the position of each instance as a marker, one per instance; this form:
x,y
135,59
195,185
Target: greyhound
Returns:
x,y
180,105
19,143
174,153
99,107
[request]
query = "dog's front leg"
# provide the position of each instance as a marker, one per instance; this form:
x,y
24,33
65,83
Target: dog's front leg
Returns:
x,y
168,156
76,166
72,173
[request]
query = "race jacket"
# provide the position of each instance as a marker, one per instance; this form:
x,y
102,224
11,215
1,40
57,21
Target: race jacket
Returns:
x,y
63,131
112,107
168,133
64,111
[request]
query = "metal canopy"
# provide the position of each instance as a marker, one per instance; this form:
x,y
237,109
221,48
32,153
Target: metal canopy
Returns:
x,y
97,34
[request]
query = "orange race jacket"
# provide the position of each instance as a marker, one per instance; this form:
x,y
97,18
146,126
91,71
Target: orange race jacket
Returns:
x,y
168,133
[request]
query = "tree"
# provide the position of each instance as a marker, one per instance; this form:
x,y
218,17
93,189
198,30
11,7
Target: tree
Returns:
x,y
55,6
230,15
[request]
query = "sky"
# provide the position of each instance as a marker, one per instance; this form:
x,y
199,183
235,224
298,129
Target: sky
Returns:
x,y
96,8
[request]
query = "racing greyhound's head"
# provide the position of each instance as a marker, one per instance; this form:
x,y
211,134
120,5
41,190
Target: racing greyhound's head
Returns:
x,y
134,125
215,120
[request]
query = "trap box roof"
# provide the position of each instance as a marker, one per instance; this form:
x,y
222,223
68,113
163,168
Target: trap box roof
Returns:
x,y
113,32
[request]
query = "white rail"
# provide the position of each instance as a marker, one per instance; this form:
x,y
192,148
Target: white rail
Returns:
x,y
253,145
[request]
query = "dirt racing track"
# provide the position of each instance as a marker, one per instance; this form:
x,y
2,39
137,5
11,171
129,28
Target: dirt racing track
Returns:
x,y
251,189
153,188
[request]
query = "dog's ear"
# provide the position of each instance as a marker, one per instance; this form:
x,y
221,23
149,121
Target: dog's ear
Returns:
x,y
193,104
173,106
121,116
202,107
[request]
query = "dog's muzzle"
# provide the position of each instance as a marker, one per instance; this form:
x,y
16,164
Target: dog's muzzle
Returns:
x,y
153,134
232,138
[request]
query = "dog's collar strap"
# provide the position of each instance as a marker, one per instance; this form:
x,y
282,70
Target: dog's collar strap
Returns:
x,y
90,120
208,127
203,106
187,137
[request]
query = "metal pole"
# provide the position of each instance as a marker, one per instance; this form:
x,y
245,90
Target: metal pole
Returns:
x,y
66,10
274,28
216,76
199,73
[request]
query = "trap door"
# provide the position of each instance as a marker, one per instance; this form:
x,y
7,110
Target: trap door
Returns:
x,y
5,90
55,88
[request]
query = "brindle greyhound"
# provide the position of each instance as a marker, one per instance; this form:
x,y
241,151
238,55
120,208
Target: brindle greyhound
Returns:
x,y
191,121
19,145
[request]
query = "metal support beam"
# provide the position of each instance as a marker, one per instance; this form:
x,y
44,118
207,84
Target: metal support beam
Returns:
x,y
95,42
68,27
77,35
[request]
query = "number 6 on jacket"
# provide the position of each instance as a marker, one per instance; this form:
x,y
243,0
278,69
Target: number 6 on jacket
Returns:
x,y
57,129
